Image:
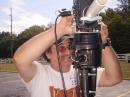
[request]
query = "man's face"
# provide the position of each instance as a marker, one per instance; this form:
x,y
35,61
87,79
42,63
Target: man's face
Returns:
x,y
65,53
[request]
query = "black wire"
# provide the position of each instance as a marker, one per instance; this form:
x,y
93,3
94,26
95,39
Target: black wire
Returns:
x,y
58,57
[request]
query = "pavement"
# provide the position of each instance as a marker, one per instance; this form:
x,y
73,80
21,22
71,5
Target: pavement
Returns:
x,y
12,86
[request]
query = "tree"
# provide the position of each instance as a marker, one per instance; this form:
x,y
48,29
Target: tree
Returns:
x,y
125,8
120,33
110,15
4,35
5,44
27,34
119,30
6,40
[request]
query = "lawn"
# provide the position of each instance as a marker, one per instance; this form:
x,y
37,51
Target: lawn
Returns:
x,y
11,68
126,70
7,68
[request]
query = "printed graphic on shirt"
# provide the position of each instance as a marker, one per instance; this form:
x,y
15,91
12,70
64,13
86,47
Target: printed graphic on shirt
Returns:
x,y
73,81
73,92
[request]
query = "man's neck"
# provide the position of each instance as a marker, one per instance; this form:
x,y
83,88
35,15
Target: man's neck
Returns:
x,y
64,69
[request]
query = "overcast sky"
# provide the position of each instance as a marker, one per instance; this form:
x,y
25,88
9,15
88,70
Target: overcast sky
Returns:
x,y
27,13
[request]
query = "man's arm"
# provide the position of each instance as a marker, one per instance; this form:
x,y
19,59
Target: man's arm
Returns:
x,y
112,73
37,45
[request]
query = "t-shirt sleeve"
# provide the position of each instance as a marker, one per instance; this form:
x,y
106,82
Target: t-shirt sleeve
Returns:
x,y
31,84
99,73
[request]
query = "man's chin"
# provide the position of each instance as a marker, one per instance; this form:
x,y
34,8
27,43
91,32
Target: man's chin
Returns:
x,y
67,63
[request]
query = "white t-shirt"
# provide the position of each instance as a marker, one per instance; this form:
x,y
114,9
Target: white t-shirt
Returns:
x,y
47,82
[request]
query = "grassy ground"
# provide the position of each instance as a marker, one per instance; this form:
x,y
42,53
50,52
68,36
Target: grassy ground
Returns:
x,y
11,68
7,68
126,70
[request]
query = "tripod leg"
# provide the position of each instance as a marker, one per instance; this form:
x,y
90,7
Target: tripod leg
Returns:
x,y
88,82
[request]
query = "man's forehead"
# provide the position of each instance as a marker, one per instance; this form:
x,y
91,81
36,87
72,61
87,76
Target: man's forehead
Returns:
x,y
65,42
65,38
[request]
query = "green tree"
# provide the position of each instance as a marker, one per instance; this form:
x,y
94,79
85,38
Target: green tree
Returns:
x,y
124,8
120,35
110,15
4,35
27,34
119,29
6,40
5,44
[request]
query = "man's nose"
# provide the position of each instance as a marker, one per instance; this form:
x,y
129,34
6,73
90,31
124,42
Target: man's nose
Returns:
x,y
68,51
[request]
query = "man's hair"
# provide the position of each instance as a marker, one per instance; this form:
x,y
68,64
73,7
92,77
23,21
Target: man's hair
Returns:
x,y
45,56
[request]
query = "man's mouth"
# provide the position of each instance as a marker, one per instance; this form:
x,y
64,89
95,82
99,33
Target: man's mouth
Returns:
x,y
65,58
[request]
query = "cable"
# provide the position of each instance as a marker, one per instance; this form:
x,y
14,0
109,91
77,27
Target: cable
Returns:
x,y
60,66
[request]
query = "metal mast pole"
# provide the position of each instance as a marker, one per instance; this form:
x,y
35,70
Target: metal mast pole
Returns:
x,y
11,47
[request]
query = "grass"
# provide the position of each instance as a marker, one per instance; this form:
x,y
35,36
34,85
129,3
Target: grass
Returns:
x,y
126,70
7,68
11,68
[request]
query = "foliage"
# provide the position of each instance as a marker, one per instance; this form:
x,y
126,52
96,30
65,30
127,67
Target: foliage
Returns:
x,y
124,8
119,29
27,34
4,35
8,42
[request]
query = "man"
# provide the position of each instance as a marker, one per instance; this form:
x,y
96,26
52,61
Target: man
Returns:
x,y
45,80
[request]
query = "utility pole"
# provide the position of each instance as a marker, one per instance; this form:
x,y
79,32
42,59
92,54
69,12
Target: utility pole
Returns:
x,y
11,45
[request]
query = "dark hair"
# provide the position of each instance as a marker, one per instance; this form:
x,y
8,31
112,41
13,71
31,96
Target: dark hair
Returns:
x,y
45,56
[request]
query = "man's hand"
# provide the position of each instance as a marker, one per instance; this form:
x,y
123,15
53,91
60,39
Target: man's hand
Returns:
x,y
104,32
65,25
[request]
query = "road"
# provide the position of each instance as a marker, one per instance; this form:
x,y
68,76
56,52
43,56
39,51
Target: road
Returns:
x,y
12,86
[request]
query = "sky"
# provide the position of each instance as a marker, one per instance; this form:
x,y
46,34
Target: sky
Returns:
x,y
27,13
